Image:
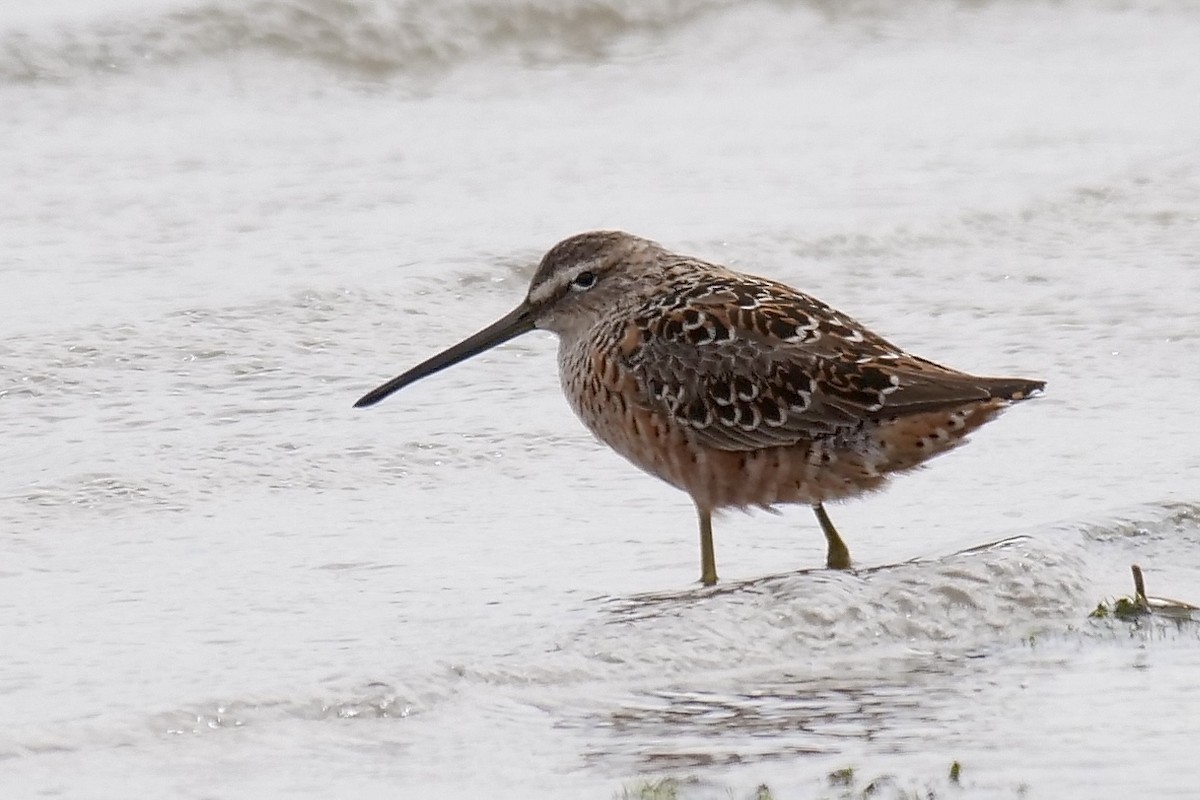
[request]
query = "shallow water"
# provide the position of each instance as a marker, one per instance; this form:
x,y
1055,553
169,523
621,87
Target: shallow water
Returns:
x,y
223,222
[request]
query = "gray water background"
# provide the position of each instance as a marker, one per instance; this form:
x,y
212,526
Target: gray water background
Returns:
x,y
222,222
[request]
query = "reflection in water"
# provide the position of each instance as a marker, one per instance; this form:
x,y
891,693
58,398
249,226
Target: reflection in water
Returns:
x,y
694,728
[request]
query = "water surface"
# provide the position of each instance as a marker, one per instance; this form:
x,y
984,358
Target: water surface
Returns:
x,y
223,222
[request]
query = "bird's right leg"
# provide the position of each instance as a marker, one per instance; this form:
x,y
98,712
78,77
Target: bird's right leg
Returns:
x,y
838,555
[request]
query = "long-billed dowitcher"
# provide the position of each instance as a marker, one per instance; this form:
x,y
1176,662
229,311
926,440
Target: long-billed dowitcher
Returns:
x,y
738,390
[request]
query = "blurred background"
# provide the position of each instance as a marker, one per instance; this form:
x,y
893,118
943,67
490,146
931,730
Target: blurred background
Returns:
x,y
221,222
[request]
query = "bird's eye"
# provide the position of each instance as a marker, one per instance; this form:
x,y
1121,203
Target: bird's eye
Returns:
x,y
584,280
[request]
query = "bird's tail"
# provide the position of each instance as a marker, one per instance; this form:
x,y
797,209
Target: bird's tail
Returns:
x,y
1012,389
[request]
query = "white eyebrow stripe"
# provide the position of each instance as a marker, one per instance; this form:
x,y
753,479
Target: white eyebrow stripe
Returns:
x,y
548,289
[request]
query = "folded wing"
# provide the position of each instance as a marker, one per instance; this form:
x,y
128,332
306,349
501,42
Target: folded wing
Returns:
x,y
746,363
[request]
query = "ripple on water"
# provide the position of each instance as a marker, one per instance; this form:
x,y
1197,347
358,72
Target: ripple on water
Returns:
x,y
793,664
961,601
796,664
98,491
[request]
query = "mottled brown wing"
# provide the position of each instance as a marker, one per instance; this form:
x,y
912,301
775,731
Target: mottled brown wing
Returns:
x,y
747,363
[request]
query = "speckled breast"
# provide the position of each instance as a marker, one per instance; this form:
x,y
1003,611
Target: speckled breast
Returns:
x,y
608,399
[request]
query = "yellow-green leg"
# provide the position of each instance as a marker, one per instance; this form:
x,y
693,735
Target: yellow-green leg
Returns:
x,y
708,561
838,555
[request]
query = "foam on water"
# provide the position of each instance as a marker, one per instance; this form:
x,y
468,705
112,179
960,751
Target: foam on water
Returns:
x,y
371,38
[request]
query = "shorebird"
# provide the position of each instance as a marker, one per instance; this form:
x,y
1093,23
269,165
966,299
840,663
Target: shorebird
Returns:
x,y
739,390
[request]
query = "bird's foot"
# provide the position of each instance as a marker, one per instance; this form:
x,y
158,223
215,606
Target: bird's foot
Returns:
x,y
838,556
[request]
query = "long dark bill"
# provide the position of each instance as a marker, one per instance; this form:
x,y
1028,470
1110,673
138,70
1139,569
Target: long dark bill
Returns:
x,y
511,325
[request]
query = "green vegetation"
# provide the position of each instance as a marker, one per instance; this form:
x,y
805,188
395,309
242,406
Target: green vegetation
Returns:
x,y
1138,605
661,789
845,783
842,777
1125,609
